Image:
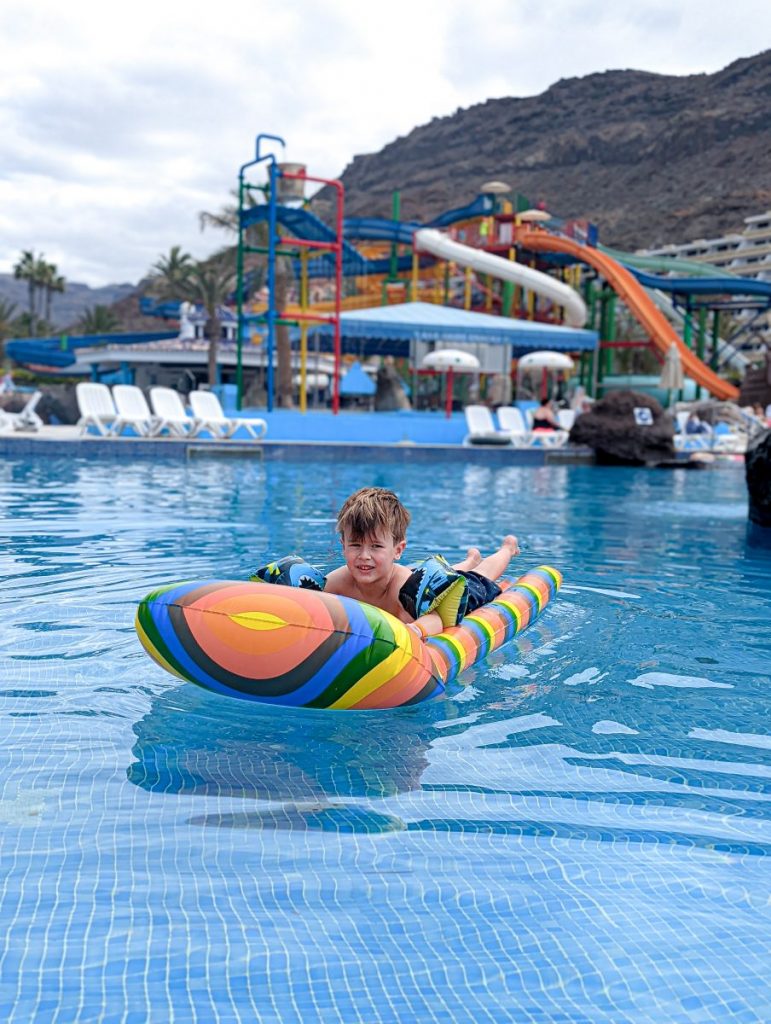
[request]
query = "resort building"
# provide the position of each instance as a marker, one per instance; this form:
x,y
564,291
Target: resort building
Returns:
x,y
746,253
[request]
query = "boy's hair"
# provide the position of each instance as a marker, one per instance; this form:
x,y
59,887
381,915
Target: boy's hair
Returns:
x,y
372,509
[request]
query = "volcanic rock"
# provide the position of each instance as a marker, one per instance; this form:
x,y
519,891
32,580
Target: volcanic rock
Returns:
x,y
616,428
390,395
758,472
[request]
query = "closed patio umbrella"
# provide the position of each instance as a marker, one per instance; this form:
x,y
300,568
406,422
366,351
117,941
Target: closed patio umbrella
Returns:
x,y
671,378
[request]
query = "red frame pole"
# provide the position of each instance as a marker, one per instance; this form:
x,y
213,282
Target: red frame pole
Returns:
x,y
338,250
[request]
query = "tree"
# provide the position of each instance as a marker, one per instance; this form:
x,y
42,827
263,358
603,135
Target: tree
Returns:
x,y
26,269
98,320
26,326
170,275
211,282
51,282
256,235
7,328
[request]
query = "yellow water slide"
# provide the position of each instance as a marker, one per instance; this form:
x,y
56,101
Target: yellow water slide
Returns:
x,y
640,305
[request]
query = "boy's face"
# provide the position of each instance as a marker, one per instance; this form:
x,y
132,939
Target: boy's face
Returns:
x,y
370,559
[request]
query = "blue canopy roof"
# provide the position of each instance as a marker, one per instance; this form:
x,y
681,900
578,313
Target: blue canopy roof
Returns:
x,y
390,329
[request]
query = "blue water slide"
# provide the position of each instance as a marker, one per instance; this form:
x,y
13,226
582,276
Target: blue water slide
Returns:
x,y
704,285
61,351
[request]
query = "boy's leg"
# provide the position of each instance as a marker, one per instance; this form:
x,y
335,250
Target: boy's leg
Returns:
x,y
495,565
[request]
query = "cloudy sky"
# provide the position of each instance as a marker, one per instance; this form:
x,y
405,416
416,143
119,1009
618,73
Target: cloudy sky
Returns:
x,y
119,123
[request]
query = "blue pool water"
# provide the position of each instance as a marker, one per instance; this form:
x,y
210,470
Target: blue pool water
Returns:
x,y
577,833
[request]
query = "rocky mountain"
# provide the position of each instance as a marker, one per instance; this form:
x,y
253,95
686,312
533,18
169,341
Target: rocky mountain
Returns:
x,y
66,309
650,158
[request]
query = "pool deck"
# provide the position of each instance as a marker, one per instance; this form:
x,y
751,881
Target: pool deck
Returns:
x,y
57,441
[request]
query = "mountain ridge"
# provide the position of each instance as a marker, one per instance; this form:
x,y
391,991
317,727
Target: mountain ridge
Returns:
x,y
650,158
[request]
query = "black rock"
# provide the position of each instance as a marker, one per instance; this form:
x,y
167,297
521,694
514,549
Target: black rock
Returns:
x,y
758,471
617,430
390,395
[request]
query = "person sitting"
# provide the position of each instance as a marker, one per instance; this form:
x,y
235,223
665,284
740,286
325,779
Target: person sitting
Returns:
x,y
428,597
544,418
695,426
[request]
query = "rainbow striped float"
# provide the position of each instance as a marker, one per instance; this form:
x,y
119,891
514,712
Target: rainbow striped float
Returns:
x,y
302,648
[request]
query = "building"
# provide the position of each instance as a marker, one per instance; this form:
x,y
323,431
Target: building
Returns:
x,y
746,253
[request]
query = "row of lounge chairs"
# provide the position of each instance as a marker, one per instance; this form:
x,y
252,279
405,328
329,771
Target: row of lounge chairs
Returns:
x,y
514,428
726,441
110,412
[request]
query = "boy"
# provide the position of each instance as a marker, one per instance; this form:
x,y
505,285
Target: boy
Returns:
x,y
373,529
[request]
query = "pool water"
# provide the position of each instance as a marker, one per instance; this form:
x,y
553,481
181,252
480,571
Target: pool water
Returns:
x,y
578,832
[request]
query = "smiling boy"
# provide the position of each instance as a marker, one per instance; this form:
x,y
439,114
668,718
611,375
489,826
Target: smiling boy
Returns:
x,y
373,530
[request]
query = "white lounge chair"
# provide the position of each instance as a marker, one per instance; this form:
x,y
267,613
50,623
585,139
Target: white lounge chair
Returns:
x,y
481,427
685,442
27,419
170,413
133,410
513,422
96,407
566,418
208,413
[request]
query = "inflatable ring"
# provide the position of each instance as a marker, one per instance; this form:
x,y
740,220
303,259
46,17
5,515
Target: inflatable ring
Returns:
x,y
303,648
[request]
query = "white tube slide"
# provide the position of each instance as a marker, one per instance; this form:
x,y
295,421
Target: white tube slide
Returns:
x,y
433,241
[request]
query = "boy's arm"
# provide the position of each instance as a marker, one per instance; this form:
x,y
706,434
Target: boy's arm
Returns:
x,y
427,625
336,582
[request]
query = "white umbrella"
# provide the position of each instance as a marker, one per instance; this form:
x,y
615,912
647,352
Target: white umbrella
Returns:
x,y
532,216
547,360
450,360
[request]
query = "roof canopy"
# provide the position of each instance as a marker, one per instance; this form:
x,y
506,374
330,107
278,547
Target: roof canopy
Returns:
x,y
390,329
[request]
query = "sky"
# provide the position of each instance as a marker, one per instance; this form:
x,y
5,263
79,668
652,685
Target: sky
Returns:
x,y
119,124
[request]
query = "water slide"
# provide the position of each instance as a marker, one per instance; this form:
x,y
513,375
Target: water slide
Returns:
x,y
430,240
665,264
644,310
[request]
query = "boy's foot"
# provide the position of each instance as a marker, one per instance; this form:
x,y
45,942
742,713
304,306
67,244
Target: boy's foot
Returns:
x,y
473,557
511,542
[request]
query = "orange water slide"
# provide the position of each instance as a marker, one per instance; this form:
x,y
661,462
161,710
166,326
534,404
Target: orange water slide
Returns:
x,y
644,310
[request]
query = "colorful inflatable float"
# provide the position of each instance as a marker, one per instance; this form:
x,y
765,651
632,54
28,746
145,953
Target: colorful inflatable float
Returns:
x,y
304,648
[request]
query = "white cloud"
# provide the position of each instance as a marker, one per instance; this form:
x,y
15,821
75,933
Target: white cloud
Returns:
x,y
118,126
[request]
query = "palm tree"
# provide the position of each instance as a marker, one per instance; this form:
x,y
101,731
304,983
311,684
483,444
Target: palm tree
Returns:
x,y
170,275
26,269
211,282
98,320
26,326
7,328
52,283
256,235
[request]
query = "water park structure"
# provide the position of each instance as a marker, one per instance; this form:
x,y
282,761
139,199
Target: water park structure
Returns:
x,y
314,274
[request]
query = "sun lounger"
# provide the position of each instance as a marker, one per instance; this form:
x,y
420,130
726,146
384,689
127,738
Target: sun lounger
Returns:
x,y
566,418
170,413
481,428
133,410
685,442
209,416
96,407
513,422
26,419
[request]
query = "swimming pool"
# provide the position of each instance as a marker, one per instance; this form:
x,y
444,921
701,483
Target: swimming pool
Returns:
x,y
577,833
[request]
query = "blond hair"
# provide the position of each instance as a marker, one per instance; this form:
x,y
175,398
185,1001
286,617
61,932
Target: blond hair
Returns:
x,y
372,509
